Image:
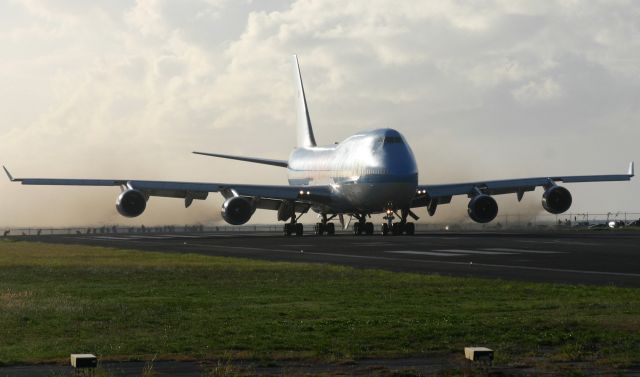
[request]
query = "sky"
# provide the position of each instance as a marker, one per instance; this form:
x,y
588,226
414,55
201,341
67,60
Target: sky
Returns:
x,y
481,89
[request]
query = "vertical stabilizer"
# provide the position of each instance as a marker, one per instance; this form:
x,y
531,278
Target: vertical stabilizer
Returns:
x,y
303,126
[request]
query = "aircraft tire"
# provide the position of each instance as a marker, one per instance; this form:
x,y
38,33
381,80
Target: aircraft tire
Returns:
x,y
299,229
331,229
385,229
409,229
368,228
396,229
287,230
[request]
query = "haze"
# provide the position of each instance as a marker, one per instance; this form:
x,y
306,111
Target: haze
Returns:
x,y
482,90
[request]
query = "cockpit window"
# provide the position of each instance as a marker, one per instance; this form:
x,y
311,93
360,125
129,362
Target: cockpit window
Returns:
x,y
393,140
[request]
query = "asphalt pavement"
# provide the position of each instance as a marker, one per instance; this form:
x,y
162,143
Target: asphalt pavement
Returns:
x,y
599,258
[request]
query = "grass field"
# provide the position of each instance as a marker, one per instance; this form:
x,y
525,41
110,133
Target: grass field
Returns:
x,y
56,300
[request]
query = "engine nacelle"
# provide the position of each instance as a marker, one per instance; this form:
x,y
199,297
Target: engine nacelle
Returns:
x,y
237,210
131,203
556,199
482,208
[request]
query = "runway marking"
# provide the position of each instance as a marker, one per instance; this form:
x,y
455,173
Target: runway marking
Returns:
x,y
524,251
296,245
461,251
490,265
432,253
118,238
555,242
371,243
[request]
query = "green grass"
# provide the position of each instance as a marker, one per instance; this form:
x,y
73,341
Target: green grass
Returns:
x,y
58,299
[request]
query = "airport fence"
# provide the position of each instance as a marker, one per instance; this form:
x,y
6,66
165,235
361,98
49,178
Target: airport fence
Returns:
x,y
503,222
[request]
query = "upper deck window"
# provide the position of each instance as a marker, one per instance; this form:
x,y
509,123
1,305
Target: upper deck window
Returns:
x,y
393,140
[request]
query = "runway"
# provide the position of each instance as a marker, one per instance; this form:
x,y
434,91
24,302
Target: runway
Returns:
x,y
599,258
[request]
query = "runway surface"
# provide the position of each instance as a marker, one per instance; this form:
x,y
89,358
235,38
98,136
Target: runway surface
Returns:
x,y
600,258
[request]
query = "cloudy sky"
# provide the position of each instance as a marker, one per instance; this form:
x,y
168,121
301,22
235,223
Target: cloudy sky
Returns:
x,y
481,89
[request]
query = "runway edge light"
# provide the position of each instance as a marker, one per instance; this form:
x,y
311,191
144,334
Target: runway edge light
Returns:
x,y
483,354
83,360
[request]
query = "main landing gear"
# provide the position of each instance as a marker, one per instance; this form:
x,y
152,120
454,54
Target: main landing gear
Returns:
x,y
325,227
319,229
398,228
291,228
362,226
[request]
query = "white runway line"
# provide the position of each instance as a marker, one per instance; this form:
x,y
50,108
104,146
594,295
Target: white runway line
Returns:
x,y
556,242
461,251
524,251
431,253
119,238
372,243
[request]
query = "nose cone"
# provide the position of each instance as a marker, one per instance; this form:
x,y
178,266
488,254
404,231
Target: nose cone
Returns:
x,y
397,156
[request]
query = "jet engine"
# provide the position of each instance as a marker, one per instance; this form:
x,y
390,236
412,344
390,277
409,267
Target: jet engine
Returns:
x,y
131,203
482,208
237,210
556,199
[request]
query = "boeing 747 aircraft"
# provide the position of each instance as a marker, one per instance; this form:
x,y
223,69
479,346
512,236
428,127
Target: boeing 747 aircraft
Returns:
x,y
371,172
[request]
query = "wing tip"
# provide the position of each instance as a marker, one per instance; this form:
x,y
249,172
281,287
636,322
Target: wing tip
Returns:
x,y
8,174
631,172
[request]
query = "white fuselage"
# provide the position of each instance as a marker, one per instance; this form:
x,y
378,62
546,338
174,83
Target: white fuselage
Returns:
x,y
370,172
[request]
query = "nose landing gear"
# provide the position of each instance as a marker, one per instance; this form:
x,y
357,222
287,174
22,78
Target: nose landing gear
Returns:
x,y
398,228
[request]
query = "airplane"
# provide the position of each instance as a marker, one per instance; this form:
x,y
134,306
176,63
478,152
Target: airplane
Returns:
x,y
371,172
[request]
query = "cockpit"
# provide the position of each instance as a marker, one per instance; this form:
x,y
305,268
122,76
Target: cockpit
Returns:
x,y
393,140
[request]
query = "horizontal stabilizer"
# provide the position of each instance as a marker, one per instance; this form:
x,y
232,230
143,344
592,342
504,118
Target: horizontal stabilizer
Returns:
x,y
265,161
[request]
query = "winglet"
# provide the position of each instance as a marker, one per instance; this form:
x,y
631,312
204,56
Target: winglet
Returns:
x,y
631,174
8,174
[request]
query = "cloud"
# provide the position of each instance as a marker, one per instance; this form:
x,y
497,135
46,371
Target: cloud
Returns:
x,y
492,89
545,90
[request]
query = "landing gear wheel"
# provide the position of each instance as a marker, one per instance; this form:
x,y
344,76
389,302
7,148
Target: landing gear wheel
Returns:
x,y
396,229
298,229
409,229
385,229
368,228
319,229
287,230
357,229
331,229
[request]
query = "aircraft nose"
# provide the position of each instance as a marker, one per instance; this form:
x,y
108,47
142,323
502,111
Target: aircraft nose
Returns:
x,y
399,160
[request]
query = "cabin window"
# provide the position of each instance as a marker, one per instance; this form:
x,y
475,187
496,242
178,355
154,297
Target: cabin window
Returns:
x,y
393,140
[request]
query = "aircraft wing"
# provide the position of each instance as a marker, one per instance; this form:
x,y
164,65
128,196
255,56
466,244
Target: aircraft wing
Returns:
x,y
268,196
442,193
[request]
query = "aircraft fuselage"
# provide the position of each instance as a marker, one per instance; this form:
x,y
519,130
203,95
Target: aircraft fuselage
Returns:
x,y
370,172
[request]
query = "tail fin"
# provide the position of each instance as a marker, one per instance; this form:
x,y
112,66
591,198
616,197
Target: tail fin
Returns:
x,y
303,126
